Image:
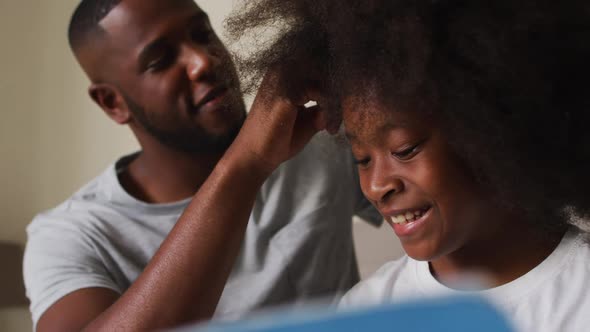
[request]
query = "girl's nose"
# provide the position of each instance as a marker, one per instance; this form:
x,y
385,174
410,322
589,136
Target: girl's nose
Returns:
x,y
380,183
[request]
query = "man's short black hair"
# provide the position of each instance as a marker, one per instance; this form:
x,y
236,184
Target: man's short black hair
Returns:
x,y
86,18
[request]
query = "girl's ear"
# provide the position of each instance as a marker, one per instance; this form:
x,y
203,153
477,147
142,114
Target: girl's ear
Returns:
x,y
111,101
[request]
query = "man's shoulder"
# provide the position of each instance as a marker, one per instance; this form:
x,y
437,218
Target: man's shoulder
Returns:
x,y
326,146
82,204
322,171
324,156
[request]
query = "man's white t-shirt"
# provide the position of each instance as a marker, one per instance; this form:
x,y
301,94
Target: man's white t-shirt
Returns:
x,y
554,296
298,243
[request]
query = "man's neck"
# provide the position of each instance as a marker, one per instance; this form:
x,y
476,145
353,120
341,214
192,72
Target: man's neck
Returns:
x,y
165,175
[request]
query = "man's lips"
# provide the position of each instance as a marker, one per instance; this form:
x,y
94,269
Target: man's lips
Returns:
x,y
210,95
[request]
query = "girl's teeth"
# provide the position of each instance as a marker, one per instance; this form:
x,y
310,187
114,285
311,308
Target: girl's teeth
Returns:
x,y
407,217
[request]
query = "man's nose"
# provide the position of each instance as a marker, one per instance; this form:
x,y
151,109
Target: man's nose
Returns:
x,y
199,62
381,183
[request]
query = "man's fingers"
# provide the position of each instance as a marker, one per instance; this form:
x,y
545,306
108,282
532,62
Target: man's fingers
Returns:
x,y
268,91
307,124
324,118
283,120
315,115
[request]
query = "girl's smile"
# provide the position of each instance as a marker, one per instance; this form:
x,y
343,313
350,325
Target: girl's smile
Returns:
x,y
410,173
408,223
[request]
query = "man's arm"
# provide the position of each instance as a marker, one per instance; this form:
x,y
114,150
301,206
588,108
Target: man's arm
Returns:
x,y
184,280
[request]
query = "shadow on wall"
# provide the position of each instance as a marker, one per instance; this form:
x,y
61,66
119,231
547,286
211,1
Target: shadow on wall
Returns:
x,y
11,277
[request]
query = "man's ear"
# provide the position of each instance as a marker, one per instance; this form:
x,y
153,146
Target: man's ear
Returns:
x,y
111,101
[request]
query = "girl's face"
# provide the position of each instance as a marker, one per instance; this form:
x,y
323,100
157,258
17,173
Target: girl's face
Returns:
x,y
408,171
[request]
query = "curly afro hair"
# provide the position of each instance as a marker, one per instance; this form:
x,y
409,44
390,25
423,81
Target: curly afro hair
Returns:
x,y
508,77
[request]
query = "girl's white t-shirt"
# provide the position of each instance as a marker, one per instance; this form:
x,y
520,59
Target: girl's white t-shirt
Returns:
x,y
554,296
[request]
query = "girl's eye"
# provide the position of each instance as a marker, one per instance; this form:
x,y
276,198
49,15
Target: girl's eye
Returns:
x,y
362,162
408,153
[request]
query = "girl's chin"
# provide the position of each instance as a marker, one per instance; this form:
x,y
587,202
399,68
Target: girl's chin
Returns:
x,y
420,255
421,251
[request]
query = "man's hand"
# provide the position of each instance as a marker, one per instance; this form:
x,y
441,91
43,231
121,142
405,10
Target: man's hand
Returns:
x,y
278,126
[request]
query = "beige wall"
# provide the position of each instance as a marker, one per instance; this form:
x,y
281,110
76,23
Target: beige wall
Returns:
x,y
53,139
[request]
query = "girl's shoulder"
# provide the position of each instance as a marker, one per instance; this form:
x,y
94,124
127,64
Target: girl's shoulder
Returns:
x,y
574,249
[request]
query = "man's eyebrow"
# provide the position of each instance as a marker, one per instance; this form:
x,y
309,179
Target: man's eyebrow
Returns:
x,y
154,45
200,16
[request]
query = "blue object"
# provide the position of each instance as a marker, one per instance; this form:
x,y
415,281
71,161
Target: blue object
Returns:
x,y
444,314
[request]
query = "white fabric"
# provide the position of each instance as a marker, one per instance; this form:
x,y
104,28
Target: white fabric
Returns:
x,y
298,243
552,297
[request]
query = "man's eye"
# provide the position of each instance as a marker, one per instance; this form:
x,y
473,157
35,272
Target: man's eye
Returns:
x,y
160,62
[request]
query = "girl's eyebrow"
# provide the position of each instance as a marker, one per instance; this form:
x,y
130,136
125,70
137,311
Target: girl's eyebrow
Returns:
x,y
384,127
387,126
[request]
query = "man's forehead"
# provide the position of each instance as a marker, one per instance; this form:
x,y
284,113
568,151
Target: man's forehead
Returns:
x,y
135,18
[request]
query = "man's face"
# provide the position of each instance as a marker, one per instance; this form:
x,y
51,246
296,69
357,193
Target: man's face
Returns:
x,y
175,74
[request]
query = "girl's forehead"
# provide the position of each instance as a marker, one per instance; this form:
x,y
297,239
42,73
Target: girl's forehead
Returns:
x,y
366,119
365,111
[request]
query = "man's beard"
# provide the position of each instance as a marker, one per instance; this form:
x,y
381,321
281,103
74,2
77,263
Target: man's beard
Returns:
x,y
193,140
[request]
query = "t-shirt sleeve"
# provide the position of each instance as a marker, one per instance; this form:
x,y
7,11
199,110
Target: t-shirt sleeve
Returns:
x,y
60,259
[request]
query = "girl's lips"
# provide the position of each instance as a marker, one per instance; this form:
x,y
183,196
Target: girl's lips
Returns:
x,y
410,228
